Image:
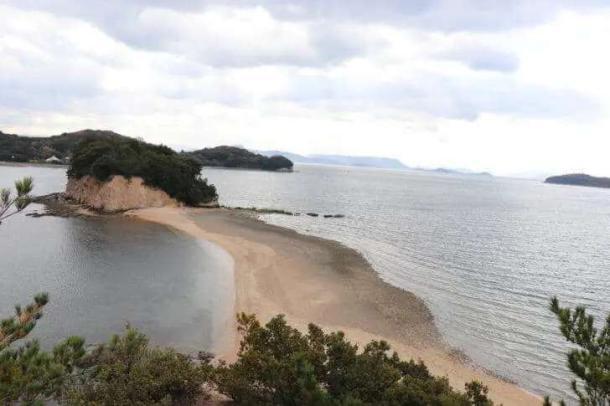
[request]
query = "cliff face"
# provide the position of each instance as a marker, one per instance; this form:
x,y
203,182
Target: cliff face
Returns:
x,y
117,194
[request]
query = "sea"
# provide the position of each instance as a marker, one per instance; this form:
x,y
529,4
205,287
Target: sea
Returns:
x,y
103,274
485,253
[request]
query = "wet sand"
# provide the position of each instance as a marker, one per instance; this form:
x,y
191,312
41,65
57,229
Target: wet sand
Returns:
x,y
309,279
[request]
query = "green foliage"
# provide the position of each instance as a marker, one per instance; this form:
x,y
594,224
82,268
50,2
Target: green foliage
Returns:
x,y
29,375
547,402
234,157
590,360
277,365
477,392
159,166
126,371
11,205
24,321
23,149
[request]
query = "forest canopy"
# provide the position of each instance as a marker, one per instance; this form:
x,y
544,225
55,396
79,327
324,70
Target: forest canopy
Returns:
x,y
235,157
18,148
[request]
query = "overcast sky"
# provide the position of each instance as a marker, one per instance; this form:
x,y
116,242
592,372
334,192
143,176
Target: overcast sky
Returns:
x,y
507,86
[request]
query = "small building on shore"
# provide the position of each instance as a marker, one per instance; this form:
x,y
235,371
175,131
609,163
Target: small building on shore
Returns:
x,y
53,160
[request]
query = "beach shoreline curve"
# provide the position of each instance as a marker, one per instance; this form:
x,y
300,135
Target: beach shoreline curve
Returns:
x,y
315,280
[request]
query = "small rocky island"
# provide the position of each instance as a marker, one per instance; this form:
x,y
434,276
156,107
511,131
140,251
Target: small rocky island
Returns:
x,y
115,174
579,179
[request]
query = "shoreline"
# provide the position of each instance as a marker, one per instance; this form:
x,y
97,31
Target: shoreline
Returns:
x,y
310,279
35,164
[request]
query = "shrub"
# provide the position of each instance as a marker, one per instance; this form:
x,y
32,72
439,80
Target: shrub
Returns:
x,y
126,371
277,365
28,374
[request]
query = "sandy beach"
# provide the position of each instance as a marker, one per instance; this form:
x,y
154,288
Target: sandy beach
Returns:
x,y
309,279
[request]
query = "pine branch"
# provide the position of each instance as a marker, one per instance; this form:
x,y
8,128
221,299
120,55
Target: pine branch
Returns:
x,y
24,321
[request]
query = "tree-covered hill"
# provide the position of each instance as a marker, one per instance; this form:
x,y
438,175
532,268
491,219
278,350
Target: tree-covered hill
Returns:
x,y
234,157
17,148
159,166
579,179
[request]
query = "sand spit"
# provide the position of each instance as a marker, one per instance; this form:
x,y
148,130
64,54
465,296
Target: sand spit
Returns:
x,y
310,279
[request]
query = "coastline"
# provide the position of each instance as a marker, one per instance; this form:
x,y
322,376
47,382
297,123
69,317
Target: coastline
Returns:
x,y
35,164
310,279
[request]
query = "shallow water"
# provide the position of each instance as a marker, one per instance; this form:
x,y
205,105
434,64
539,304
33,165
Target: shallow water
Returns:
x,y
486,254
105,272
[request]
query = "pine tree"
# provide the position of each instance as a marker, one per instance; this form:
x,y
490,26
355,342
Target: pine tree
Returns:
x,y
24,321
29,375
590,361
10,205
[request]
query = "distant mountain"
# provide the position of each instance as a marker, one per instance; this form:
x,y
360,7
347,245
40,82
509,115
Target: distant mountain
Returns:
x,y
235,157
579,179
345,160
458,172
25,149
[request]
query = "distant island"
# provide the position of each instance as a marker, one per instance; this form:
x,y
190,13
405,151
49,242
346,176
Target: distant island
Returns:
x,y
344,160
366,162
447,171
235,157
579,179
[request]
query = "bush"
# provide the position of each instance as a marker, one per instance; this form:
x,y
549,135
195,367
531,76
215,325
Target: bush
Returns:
x,y
28,374
126,371
277,365
159,166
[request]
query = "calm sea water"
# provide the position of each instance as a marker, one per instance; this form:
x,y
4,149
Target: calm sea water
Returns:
x,y
486,254
103,273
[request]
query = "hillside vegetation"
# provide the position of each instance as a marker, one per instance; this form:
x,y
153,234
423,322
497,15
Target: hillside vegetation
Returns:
x,y
17,148
234,157
159,166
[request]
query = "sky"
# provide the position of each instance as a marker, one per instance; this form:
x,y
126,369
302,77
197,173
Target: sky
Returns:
x,y
513,87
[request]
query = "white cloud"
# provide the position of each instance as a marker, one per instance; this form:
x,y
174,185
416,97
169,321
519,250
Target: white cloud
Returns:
x,y
529,97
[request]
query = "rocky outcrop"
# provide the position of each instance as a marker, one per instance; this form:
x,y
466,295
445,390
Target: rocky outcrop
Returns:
x,y
117,194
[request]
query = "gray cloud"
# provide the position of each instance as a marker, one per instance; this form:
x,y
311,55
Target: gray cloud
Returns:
x,y
127,21
199,64
181,27
483,58
37,83
447,97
